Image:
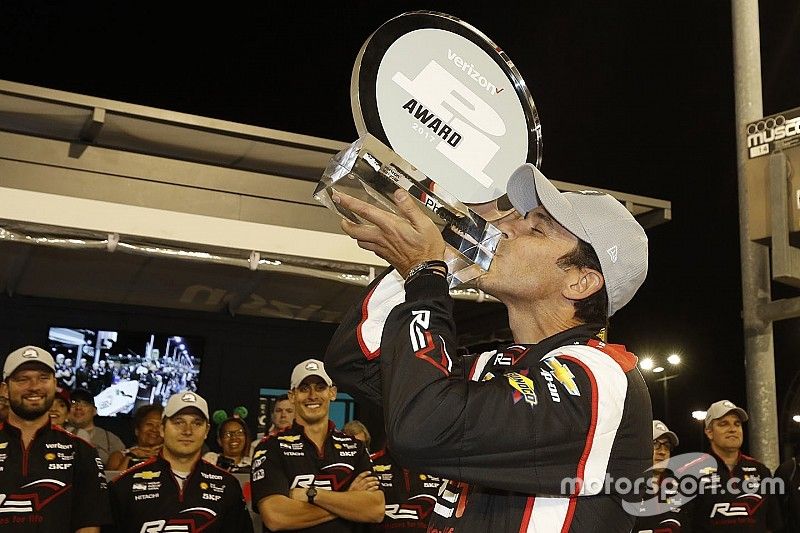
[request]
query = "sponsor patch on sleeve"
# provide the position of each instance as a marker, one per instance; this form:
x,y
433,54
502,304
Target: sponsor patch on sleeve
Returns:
x,y
523,387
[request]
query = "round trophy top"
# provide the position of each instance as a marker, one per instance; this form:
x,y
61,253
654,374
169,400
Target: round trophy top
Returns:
x,y
449,101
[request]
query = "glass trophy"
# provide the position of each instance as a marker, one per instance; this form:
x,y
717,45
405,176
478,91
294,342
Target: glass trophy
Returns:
x,y
442,113
372,172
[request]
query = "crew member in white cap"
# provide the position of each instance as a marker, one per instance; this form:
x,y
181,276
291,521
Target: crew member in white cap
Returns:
x,y
310,476
733,495
177,490
50,479
506,426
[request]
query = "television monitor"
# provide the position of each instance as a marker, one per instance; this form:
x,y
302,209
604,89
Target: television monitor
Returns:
x,y
125,369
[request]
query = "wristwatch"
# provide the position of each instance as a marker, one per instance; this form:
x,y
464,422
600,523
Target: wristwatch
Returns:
x,y
311,493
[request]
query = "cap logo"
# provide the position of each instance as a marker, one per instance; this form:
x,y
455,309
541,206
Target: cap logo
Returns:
x,y
591,193
30,353
189,397
661,427
726,403
312,366
612,252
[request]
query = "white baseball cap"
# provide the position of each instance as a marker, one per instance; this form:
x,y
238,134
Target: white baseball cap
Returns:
x,y
184,400
596,218
660,429
722,408
309,367
27,354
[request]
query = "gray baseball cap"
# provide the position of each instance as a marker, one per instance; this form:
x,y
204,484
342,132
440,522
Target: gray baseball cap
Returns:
x,y
660,429
184,400
309,367
596,218
27,354
722,408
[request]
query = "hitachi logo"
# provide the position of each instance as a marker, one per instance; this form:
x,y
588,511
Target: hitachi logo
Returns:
x,y
469,68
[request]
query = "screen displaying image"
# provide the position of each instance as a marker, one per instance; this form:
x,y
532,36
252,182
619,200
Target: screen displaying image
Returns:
x,y
124,369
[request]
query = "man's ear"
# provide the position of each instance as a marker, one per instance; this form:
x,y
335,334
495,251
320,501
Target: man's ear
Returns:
x,y
582,283
333,391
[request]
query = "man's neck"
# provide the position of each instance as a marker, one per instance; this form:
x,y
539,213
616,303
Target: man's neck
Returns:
x,y
729,456
181,463
316,431
28,428
531,324
89,426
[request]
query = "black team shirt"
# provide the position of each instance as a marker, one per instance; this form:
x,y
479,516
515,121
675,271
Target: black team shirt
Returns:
x,y
289,459
56,484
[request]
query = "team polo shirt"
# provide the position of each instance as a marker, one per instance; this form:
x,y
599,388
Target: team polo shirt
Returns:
x,y
56,484
410,496
289,459
736,500
147,498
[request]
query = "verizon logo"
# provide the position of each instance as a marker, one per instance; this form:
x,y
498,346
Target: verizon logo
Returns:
x,y
469,68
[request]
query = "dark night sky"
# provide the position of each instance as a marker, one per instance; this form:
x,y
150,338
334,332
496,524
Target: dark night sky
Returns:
x,y
633,96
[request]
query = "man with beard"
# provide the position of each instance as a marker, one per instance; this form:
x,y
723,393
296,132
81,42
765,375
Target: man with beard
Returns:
x,y
311,477
177,490
51,480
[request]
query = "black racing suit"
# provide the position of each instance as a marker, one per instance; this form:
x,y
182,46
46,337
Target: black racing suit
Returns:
x,y
410,496
734,500
527,435
55,485
288,459
147,498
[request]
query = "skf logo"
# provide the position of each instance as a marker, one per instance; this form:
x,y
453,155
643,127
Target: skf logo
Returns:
x,y
726,509
147,474
289,438
563,375
523,388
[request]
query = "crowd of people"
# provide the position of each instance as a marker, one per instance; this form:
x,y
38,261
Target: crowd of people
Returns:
x,y
552,433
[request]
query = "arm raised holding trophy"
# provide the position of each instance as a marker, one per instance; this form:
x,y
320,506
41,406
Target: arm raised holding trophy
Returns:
x,y
527,435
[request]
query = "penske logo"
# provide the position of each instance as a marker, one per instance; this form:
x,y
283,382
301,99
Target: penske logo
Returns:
x,y
563,375
147,474
523,388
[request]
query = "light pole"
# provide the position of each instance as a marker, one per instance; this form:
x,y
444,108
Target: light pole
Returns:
x,y
700,416
649,364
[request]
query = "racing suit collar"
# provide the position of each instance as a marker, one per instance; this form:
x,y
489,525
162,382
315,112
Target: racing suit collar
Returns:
x,y
578,335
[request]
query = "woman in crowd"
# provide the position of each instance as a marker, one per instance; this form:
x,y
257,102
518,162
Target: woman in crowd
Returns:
x,y
233,438
147,421
60,408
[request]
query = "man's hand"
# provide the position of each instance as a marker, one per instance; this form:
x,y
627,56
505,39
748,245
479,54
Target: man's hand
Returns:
x,y
365,481
403,240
